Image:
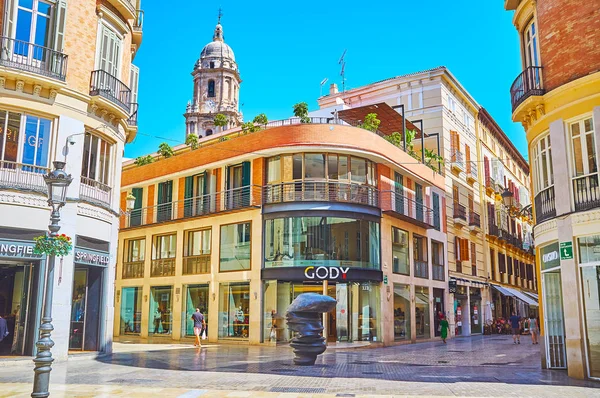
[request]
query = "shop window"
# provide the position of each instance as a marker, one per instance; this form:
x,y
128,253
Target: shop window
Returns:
x,y
589,257
96,161
196,297
333,241
437,260
131,310
234,310
400,254
196,254
422,314
401,312
420,256
133,264
161,310
24,139
235,247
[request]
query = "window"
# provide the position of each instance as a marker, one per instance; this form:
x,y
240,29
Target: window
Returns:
x,y
451,103
436,211
314,166
164,208
530,45
461,252
164,246
234,310
97,157
24,139
134,77
235,247
34,21
131,310
196,253
402,304
196,297
161,310
209,132
211,89
135,216
543,175
133,264
400,258
583,148
212,64
437,260
422,320
473,259
420,256
493,264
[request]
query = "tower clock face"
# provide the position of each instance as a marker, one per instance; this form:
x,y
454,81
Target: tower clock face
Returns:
x,y
211,105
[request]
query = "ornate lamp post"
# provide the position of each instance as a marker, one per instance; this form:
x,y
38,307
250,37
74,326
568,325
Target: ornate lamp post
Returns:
x,y
58,181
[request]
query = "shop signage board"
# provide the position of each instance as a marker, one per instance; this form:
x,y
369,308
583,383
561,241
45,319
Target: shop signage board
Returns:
x,y
566,250
452,285
320,273
18,249
550,256
91,257
385,280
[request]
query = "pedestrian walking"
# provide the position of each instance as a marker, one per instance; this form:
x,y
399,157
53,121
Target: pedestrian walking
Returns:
x,y
534,329
444,328
199,325
515,323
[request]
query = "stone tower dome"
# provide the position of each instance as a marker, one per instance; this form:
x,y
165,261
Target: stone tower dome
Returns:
x,y
216,88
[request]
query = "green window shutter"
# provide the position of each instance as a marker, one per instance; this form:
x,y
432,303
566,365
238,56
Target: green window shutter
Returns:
x,y
246,184
60,17
135,217
139,197
169,188
226,178
160,193
188,194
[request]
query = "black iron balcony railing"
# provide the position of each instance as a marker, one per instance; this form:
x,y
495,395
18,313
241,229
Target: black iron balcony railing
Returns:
x,y
421,269
528,83
586,192
94,191
133,116
545,206
438,272
196,265
457,159
321,191
24,177
133,269
32,58
474,220
106,85
460,212
493,230
163,267
405,207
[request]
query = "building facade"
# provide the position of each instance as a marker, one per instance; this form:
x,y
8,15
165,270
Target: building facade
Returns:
x,y
69,93
216,88
259,218
557,100
449,118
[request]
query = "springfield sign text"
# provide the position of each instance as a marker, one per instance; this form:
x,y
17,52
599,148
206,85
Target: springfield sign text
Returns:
x,y
17,250
90,258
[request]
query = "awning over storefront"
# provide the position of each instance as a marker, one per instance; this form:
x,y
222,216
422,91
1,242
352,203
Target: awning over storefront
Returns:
x,y
510,292
533,295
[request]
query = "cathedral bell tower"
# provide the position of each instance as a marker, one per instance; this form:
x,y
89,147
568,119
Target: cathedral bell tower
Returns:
x,y
216,88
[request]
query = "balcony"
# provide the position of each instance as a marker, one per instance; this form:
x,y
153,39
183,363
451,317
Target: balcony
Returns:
x,y
472,172
401,205
490,186
95,192
474,221
196,265
421,269
126,8
133,269
457,161
586,192
133,117
212,203
493,230
105,85
32,58
321,191
527,84
438,272
23,177
460,214
545,206
163,267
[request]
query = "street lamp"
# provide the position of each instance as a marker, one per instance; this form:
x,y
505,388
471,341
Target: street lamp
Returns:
x,y
130,202
507,198
58,181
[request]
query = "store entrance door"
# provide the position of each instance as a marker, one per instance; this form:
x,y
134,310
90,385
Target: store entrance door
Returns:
x,y
18,298
85,309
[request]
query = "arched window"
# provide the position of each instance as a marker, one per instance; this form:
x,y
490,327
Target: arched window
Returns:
x,y
212,65
208,132
211,88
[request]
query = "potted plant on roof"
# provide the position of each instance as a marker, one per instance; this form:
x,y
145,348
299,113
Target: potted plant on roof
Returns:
x,y
301,111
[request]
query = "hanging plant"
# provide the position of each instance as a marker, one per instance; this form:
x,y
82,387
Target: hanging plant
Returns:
x,y
60,246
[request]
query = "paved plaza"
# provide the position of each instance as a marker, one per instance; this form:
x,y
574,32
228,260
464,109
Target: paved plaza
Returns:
x,y
486,366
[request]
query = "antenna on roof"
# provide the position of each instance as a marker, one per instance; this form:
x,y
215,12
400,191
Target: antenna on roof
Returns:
x,y
220,15
343,71
322,83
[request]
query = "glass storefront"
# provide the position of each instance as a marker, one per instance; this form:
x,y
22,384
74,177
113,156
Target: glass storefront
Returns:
x,y
78,307
476,314
131,310
196,297
422,325
321,241
554,319
161,310
234,310
356,317
438,310
461,319
589,257
400,259
401,312
235,247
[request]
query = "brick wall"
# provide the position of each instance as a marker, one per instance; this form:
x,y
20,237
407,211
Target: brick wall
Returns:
x,y
569,32
80,43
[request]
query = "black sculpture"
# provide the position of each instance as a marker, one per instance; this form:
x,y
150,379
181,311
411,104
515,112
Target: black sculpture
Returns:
x,y
304,318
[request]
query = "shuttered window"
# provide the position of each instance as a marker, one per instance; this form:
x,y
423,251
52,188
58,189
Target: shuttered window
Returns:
x,y
135,217
109,56
473,259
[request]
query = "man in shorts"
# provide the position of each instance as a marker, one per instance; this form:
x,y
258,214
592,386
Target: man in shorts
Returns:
x,y
515,323
199,325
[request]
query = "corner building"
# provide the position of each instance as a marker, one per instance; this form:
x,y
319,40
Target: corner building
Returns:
x,y
68,92
556,98
243,225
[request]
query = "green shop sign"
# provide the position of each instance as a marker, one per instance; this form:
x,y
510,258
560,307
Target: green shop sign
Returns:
x,y
550,256
566,250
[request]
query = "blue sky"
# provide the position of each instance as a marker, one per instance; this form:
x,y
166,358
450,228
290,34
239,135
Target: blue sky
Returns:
x,y
284,49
